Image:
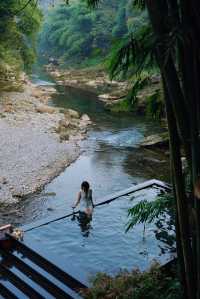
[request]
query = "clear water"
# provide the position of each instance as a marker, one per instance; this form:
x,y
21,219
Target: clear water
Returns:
x,y
111,160
102,244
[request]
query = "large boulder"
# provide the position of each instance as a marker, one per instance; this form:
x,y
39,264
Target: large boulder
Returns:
x,y
45,109
156,141
85,118
55,74
72,113
48,90
107,96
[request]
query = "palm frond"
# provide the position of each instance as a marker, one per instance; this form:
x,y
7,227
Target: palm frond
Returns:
x,y
133,53
147,212
138,84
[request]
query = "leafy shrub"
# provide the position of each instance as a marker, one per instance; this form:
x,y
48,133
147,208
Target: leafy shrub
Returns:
x,y
153,284
19,24
147,211
121,106
161,211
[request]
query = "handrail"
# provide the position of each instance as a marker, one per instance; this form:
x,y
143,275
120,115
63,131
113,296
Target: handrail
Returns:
x,y
109,198
51,221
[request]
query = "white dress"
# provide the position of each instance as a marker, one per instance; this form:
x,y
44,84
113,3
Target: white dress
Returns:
x,y
86,200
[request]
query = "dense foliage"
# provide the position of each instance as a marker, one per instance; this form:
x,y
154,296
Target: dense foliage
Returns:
x,y
155,284
76,33
148,211
19,23
162,212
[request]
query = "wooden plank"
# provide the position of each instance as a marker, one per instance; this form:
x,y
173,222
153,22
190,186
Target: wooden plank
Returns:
x,y
20,284
36,276
49,267
6,293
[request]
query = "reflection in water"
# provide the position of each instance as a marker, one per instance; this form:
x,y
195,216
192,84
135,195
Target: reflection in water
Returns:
x,y
84,221
75,242
147,164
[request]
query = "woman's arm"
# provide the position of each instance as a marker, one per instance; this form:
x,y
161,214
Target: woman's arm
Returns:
x,y
78,200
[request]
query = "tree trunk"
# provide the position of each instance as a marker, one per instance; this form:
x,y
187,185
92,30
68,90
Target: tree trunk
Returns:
x,y
158,16
177,120
181,202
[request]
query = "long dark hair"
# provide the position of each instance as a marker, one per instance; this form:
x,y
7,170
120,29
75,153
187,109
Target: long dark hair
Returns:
x,y
85,186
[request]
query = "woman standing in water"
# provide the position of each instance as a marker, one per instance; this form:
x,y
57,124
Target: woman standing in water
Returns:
x,y
84,198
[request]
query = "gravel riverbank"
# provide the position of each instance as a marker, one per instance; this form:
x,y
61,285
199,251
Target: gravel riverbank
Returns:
x,y
37,141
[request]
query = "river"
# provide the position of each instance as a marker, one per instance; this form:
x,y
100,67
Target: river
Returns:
x,y
111,160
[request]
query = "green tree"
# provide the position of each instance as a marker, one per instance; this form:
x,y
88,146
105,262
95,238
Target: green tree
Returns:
x,y
75,33
120,28
19,23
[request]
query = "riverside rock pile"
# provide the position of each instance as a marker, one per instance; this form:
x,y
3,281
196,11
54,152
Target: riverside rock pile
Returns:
x,y
93,80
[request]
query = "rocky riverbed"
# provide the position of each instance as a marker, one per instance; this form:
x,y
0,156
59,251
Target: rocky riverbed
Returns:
x,y
91,79
113,93
37,141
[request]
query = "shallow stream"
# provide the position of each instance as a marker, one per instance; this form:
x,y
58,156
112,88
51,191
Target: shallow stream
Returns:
x,y
111,160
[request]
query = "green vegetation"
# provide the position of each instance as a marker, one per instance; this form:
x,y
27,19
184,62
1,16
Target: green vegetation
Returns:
x,y
153,284
121,106
156,211
144,98
78,35
75,34
19,24
139,43
148,211
133,59
155,105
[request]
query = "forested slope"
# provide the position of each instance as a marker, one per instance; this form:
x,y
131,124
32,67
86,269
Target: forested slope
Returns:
x,y
75,34
19,24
